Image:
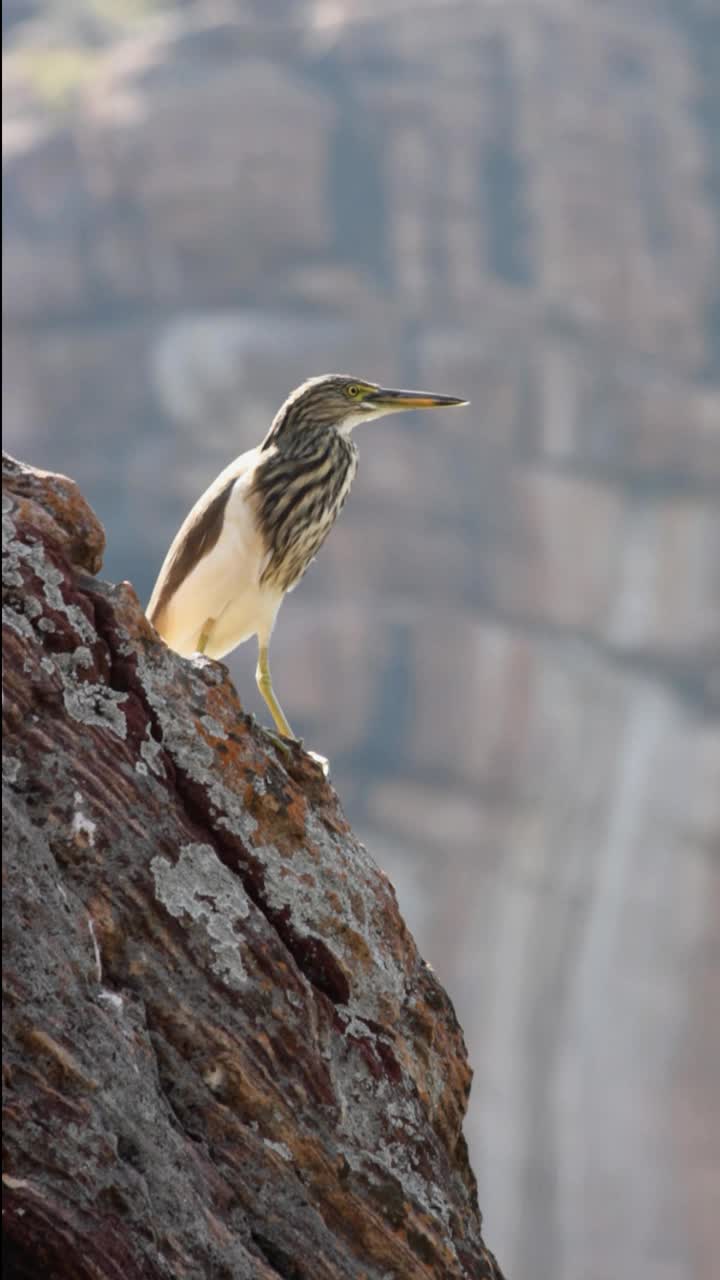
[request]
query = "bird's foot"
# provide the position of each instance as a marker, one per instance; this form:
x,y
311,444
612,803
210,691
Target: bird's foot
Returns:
x,y
286,745
283,744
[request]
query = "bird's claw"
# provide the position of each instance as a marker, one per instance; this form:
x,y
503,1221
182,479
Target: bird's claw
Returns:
x,y
286,746
283,744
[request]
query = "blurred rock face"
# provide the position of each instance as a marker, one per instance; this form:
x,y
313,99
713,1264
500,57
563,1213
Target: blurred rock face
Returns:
x,y
510,645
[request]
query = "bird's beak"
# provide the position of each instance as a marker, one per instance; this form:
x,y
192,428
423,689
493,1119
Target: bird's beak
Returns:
x,y
385,398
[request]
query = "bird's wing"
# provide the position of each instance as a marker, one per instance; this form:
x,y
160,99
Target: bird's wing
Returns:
x,y
215,555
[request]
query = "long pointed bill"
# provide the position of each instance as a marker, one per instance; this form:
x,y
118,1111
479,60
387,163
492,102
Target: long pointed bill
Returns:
x,y
384,398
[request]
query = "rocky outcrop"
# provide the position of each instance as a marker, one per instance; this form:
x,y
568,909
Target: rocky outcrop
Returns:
x,y
224,1055
510,646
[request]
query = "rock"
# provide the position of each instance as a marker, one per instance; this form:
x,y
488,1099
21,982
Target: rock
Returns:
x,y
224,1055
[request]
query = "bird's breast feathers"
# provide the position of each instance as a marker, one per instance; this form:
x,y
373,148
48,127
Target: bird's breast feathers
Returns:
x,y
299,497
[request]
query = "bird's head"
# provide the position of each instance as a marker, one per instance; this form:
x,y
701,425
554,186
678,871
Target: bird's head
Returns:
x,y
342,402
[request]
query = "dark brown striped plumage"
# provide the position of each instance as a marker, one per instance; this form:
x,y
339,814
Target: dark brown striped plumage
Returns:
x,y
301,486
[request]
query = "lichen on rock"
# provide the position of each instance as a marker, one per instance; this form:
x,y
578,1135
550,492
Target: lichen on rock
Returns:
x,y
224,1054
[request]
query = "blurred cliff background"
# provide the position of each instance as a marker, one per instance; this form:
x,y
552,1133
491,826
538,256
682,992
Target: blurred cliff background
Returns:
x,y
510,645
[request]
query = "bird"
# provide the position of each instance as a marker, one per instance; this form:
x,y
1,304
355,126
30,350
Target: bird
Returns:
x,y
252,534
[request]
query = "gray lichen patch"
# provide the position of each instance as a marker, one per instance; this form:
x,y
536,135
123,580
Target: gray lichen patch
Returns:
x,y
200,886
33,608
299,888
11,769
150,750
83,828
178,731
94,704
16,622
213,726
72,662
90,704
51,578
11,575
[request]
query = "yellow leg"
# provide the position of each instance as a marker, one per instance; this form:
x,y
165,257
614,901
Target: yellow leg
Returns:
x,y
205,635
264,683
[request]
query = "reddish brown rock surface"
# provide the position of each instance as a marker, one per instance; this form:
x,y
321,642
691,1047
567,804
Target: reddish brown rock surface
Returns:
x,y
224,1055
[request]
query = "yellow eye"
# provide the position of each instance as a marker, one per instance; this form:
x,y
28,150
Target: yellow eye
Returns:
x,y
353,391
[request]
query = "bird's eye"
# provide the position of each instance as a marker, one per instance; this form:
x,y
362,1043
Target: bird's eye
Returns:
x,y
353,391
